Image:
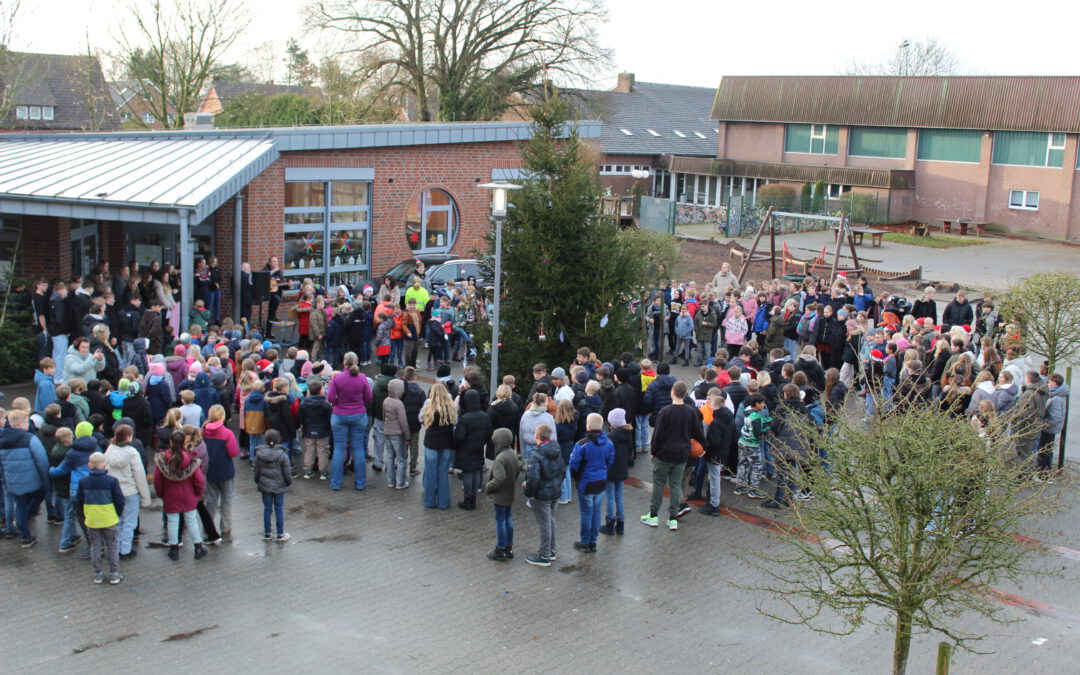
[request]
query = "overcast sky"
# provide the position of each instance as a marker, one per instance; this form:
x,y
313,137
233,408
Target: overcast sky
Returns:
x,y
692,42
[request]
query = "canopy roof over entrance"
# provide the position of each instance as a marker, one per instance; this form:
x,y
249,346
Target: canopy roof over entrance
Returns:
x,y
135,179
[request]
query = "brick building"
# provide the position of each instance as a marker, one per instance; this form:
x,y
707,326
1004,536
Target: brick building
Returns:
x,y
337,204
1001,150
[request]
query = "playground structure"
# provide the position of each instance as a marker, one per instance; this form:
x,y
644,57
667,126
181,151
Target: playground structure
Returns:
x,y
816,266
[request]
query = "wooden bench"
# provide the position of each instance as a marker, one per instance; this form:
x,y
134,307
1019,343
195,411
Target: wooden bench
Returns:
x,y
964,224
857,233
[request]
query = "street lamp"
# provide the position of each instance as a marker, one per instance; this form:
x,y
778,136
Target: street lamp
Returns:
x,y
499,193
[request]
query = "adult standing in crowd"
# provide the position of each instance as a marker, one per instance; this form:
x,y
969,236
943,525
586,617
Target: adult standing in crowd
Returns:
x,y
350,394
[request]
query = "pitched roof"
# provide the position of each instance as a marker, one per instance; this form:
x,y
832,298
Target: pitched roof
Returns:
x,y
985,103
72,84
652,114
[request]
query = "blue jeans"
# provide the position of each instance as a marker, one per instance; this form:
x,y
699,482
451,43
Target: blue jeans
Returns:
x,y
437,478
567,487
59,351
128,520
365,348
254,441
378,438
641,431
349,430
397,461
792,347
213,303
613,499
275,503
26,507
589,510
504,527
70,531
714,483
191,522
396,357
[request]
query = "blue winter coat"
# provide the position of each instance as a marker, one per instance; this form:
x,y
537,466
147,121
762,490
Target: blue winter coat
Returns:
x,y
46,391
205,394
684,327
159,394
23,462
76,462
658,394
593,456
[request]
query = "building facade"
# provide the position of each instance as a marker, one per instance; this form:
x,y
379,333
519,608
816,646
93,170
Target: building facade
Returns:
x,y
339,205
998,150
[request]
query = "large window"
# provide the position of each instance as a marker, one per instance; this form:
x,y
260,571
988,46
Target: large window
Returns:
x,y
950,145
1027,200
431,223
326,230
817,139
878,142
1029,148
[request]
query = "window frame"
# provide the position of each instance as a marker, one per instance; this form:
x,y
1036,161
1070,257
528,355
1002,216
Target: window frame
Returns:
x,y
854,129
328,230
1050,147
22,112
1024,203
48,113
919,147
453,222
818,138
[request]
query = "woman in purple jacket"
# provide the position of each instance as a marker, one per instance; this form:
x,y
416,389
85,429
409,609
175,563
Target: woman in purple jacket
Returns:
x,y
350,394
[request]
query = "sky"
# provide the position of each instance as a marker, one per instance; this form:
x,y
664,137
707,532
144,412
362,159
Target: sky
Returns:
x,y
690,42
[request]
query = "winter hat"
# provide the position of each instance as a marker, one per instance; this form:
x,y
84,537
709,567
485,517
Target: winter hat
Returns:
x,y
302,355
179,350
617,417
877,355
123,384
134,388
443,371
266,344
966,327
582,376
306,369
263,364
157,368
141,344
195,368
902,344
558,374
368,289
83,429
841,314
185,338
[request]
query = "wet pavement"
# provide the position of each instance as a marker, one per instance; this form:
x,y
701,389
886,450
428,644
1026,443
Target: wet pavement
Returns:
x,y
372,580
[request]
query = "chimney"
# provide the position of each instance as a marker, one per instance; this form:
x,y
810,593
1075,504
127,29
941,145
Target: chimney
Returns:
x,y
198,121
626,83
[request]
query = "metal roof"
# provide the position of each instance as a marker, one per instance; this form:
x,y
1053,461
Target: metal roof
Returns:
x,y
984,103
136,180
800,173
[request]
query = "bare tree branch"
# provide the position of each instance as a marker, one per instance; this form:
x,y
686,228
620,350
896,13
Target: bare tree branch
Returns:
x,y
910,58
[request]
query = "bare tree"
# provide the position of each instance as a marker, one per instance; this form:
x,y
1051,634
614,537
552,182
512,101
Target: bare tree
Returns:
x,y
462,59
175,49
12,66
910,58
1045,307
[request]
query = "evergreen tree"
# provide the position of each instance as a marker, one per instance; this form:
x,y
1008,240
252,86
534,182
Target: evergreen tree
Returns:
x,y
565,267
805,198
817,202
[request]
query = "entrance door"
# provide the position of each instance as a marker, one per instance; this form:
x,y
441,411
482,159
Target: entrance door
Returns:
x,y
84,247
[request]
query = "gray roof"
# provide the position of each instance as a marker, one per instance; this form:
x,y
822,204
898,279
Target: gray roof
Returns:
x,y
663,108
141,180
149,176
73,84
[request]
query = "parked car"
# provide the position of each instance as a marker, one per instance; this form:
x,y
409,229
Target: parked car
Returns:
x,y
404,271
438,269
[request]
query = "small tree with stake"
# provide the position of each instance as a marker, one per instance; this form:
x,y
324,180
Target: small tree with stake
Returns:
x,y
914,515
1046,309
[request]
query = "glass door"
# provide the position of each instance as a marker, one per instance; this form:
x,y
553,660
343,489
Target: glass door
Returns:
x,y
84,247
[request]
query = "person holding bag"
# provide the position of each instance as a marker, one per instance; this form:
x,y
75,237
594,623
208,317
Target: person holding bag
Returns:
x,y
589,463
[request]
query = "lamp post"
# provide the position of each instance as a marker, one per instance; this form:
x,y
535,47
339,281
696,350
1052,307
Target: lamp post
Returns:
x,y
499,192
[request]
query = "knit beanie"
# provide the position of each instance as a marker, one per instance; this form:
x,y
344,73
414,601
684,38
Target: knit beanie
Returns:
x,y
83,429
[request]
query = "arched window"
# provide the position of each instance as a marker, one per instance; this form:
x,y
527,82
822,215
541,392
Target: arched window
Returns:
x,y
431,223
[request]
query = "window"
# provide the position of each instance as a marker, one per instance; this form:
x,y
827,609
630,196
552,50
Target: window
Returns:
x,y
818,139
627,132
836,191
950,145
326,230
431,223
48,112
1027,200
148,117
699,134
679,134
888,142
1029,148
35,112
622,169
22,112
652,132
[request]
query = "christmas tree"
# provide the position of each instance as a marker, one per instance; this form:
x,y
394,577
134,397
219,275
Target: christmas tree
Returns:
x,y
571,277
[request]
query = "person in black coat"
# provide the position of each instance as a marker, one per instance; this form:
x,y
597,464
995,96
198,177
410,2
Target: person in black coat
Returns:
x,y
503,413
470,435
621,435
792,444
957,313
137,409
413,400
720,443
624,395
815,374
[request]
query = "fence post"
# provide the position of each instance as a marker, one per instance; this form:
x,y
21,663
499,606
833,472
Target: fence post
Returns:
x,y
944,656
1065,426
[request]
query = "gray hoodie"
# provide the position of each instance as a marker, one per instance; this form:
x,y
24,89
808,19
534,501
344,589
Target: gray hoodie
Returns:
x,y
1055,410
395,422
534,416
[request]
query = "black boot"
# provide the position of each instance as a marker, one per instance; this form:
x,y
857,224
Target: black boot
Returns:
x,y
174,552
608,527
200,551
509,551
619,526
498,555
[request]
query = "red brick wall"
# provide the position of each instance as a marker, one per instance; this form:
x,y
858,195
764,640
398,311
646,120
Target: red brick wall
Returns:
x,y
46,247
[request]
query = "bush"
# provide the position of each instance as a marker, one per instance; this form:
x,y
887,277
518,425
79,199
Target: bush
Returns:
x,y
860,206
806,198
817,202
780,197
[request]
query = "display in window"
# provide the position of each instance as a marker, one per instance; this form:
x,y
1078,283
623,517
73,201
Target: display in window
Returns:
x,y
303,250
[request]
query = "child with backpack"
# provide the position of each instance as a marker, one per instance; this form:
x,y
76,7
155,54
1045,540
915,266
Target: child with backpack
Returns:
x,y
273,476
99,503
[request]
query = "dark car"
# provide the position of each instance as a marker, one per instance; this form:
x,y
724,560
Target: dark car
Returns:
x,y
404,271
438,269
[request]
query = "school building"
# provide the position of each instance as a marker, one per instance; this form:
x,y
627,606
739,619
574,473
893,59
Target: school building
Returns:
x,y
996,150
339,204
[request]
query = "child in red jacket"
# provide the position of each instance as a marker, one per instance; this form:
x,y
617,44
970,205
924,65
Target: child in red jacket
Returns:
x,y
178,480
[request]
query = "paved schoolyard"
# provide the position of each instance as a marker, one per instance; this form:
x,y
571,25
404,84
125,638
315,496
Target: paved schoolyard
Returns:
x,y
372,581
